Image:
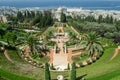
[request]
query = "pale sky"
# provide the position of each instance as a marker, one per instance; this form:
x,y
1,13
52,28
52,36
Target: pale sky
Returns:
x,y
59,0
55,0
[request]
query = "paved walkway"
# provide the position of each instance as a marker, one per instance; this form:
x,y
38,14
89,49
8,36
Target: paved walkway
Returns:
x,y
51,56
69,57
7,56
115,53
60,61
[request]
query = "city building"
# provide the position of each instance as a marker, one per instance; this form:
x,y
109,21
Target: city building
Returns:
x,y
3,19
57,14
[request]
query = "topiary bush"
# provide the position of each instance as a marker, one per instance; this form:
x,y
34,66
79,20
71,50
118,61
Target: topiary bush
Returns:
x,y
81,64
93,59
89,62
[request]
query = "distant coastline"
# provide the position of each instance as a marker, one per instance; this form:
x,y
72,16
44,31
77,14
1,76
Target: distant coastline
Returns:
x,y
91,5
117,8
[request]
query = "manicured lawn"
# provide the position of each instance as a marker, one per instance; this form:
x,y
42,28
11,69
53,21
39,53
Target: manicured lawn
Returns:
x,y
12,76
102,67
20,67
108,76
116,78
14,55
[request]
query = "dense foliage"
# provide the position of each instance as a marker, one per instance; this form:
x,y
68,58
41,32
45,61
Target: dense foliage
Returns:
x,y
106,28
27,19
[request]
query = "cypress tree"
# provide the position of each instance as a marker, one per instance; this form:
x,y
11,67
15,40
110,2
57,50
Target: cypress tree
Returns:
x,y
100,19
63,17
107,19
111,20
73,72
117,25
68,66
47,72
20,16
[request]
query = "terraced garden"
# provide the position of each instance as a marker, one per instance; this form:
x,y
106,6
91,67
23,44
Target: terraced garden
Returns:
x,y
102,69
37,49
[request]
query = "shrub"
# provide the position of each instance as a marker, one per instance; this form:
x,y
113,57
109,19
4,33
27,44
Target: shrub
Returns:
x,y
34,63
88,62
81,64
26,58
101,53
97,56
39,64
93,60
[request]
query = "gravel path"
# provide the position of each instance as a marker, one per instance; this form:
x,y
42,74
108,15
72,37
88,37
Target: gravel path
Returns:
x,y
115,53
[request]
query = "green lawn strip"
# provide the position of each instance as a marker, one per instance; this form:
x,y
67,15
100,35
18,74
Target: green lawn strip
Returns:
x,y
107,76
103,65
116,78
3,60
14,55
65,74
11,76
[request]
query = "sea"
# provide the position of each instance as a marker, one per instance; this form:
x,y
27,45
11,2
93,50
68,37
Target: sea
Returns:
x,y
84,4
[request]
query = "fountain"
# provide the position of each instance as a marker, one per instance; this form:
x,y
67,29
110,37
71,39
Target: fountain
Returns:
x,y
60,77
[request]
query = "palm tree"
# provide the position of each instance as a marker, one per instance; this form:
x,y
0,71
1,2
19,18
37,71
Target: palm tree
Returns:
x,y
92,44
35,45
11,38
74,38
29,40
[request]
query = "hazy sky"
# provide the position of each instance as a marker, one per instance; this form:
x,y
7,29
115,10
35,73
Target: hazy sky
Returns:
x,y
59,0
53,0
